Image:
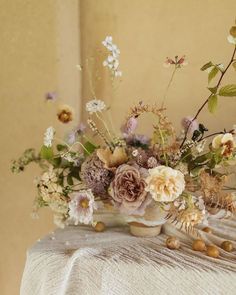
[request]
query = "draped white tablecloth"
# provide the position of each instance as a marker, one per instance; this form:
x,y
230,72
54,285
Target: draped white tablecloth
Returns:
x,y
77,260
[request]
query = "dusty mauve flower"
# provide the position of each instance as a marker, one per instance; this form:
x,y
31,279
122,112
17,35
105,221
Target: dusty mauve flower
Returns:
x,y
188,120
128,190
95,176
226,142
130,125
65,114
165,184
51,96
136,139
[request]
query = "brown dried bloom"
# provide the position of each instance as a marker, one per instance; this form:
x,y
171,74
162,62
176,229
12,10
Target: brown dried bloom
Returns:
x,y
190,217
112,159
65,114
128,190
212,188
95,176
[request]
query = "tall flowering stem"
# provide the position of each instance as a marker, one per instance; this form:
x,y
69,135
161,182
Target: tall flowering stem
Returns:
x,y
168,87
206,101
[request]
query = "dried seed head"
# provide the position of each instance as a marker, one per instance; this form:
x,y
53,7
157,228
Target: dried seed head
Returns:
x,y
172,243
213,251
199,245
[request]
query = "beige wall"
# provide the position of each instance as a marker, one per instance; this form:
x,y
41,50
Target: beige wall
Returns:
x,y
39,49
149,30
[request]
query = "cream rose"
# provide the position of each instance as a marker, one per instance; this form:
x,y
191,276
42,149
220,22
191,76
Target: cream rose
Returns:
x,y
226,142
165,184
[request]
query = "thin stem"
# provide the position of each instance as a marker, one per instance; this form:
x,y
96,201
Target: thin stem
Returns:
x,y
79,143
90,79
163,145
168,87
105,125
206,101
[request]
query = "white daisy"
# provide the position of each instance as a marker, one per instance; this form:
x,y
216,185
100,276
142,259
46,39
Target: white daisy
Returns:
x,y
95,105
81,207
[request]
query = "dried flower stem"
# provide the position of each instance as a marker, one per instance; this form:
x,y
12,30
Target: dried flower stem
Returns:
x,y
105,125
168,86
90,79
206,101
94,128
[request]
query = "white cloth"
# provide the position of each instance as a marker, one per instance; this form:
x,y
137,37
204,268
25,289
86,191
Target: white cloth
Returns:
x,y
78,260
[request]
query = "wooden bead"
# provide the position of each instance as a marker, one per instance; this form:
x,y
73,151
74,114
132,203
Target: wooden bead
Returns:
x,y
199,245
213,251
172,243
99,227
227,246
207,230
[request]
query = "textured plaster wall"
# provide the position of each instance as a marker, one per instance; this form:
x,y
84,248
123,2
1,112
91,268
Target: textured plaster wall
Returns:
x,y
147,31
39,50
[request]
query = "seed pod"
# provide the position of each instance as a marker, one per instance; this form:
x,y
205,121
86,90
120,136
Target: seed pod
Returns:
x,y
213,251
199,245
172,243
99,227
207,230
227,246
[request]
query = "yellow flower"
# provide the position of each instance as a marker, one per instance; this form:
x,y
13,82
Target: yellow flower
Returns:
x,y
65,114
226,142
165,184
112,159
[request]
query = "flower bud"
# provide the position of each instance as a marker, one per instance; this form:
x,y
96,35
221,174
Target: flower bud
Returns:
x,y
232,31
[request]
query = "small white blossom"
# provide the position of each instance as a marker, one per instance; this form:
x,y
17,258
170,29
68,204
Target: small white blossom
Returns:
x,y
231,39
112,61
95,105
49,176
48,136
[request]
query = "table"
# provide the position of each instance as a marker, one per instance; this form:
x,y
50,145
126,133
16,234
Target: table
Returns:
x,y
77,260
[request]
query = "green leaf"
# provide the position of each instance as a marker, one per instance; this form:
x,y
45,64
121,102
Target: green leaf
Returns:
x,y
56,162
61,147
90,148
213,89
206,66
46,153
212,74
234,65
212,103
228,90
70,180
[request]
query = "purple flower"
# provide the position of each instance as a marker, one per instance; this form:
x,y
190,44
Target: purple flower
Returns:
x,y
188,120
72,135
130,125
51,96
136,139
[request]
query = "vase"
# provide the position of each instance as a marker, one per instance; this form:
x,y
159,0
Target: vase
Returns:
x,y
148,225
141,230
109,215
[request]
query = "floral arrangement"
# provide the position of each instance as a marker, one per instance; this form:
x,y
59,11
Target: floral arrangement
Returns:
x,y
184,176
